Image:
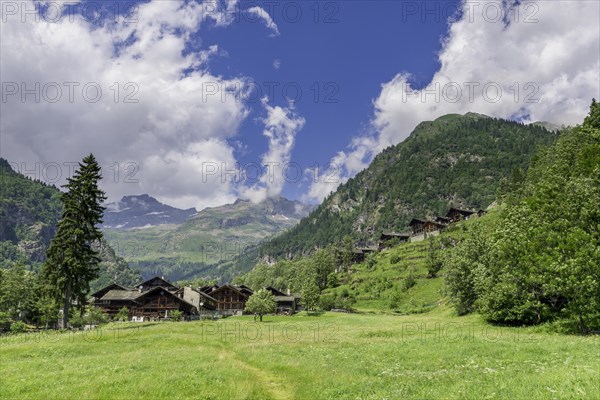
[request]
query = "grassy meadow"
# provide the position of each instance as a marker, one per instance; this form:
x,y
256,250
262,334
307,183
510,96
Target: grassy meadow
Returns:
x,y
329,356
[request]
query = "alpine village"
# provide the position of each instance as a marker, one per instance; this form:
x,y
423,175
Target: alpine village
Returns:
x,y
351,269
299,200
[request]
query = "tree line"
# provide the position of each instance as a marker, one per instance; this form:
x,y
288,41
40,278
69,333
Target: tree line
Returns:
x,y
540,262
72,259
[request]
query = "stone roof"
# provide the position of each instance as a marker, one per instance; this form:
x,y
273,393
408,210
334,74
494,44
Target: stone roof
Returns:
x,y
121,295
284,298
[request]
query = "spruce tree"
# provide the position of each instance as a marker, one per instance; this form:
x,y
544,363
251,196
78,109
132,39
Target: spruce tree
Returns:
x,y
71,260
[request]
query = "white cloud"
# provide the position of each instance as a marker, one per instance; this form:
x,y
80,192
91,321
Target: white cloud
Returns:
x,y
281,126
554,60
174,123
261,14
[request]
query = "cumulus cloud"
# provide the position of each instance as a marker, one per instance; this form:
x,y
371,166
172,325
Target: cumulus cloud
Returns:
x,y
129,93
264,16
281,126
533,61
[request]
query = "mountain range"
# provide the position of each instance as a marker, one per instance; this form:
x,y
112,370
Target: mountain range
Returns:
x,y
142,211
204,243
456,160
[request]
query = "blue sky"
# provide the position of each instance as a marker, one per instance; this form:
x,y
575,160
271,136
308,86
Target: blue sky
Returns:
x,y
379,68
353,47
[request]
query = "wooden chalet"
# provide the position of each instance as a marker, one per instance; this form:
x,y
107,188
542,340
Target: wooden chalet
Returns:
x,y
417,226
246,290
387,237
458,214
150,300
274,291
432,226
422,228
230,299
286,303
442,220
156,282
104,290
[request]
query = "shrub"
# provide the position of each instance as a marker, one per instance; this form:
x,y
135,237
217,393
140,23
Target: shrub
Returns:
x,y
395,259
95,316
123,314
77,320
370,261
176,315
327,302
332,280
408,282
18,327
395,300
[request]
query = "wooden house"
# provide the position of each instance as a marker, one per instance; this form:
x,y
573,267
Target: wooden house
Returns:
x,y
458,214
432,226
152,300
442,220
104,290
156,282
417,226
287,303
230,299
275,292
387,237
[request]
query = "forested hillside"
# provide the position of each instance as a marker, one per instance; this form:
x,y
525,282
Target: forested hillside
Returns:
x,y
452,161
541,261
29,212
533,259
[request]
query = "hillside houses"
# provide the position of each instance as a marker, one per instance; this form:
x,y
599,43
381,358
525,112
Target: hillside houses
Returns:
x,y
156,298
420,229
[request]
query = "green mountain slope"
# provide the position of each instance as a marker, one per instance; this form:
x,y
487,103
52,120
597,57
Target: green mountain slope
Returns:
x,y
452,161
29,212
207,243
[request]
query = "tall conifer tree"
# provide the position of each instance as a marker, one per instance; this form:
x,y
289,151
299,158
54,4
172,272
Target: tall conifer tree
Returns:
x,y
71,260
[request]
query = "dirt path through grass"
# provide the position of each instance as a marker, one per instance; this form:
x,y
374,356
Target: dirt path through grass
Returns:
x,y
273,385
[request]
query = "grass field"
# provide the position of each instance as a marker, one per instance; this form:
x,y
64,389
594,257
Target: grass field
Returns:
x,y
346,356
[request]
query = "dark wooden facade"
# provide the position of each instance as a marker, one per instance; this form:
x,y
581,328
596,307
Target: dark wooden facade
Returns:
x,y
156,282
417,226
274,291
457,214
432,226
442,220
230,299
387,237
152,299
